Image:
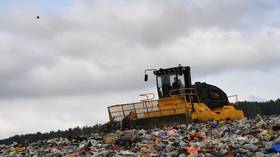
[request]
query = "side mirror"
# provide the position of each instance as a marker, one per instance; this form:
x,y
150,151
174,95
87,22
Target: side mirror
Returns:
x,y
146,77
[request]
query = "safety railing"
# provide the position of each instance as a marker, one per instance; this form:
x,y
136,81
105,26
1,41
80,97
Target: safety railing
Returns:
x,y
150,108
190,94
235,97
142,109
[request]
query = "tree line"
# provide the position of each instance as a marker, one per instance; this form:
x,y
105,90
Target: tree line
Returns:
x,y
70,133
251,109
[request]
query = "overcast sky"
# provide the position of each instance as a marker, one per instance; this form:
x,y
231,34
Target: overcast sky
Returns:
x,y
63,69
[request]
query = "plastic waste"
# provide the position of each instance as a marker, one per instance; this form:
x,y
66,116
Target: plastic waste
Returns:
x,y
253,137
275,148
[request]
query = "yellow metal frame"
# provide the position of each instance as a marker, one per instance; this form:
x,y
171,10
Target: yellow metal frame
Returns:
x,y
176,104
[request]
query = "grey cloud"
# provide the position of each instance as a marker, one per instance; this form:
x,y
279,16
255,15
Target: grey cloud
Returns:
x,y
29,115
105,46
257,98
64,69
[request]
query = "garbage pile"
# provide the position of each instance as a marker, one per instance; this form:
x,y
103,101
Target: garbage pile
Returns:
x,y
257,137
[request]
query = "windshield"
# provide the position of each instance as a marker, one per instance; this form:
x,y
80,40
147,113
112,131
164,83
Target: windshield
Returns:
x,y
167,82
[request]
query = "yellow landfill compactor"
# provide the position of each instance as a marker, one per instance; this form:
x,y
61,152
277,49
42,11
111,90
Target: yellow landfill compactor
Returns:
x,y
179,102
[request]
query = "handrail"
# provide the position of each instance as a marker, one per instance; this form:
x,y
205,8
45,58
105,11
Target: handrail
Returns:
x,y
145,108
121,109
169,109
147,96
182,92
235,96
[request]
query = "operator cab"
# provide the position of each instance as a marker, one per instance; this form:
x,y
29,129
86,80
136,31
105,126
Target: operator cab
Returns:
x,y
172,78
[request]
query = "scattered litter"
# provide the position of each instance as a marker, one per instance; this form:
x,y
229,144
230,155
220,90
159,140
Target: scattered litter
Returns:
x,y
258,137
